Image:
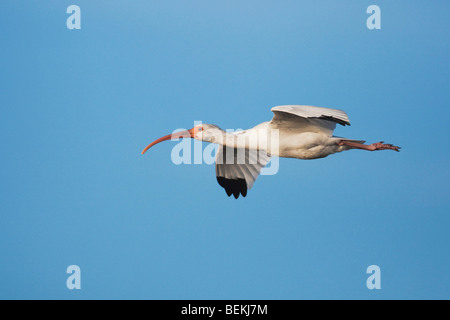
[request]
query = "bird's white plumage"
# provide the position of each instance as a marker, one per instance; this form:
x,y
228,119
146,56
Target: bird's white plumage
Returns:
x,y
310,112
241,164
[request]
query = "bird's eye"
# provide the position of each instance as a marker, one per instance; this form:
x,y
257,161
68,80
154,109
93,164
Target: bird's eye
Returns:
x,y
200,129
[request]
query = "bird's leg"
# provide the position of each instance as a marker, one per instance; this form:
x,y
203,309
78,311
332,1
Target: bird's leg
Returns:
x,y
371,147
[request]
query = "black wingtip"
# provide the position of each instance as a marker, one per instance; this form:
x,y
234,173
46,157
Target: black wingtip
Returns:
x,y
339,121
233,187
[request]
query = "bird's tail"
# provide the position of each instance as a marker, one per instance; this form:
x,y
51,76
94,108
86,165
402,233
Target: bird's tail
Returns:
x,y
353,140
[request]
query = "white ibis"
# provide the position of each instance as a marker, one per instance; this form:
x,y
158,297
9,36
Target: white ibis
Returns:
x,y
302,132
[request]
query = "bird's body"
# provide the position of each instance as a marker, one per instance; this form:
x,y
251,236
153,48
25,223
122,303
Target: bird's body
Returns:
x,y
308,145
302,132
291,143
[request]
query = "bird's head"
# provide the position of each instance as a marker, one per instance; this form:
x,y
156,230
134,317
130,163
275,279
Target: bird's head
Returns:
x,y
202,132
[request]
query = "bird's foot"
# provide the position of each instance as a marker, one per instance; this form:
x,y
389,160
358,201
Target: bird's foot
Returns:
x,y
384,146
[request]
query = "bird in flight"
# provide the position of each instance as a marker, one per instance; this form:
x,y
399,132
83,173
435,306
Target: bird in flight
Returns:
x,y
302,132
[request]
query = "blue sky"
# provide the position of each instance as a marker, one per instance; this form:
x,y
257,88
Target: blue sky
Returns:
x,y
78,106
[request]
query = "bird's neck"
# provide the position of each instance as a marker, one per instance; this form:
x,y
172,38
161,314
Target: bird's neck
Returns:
x,y
247,139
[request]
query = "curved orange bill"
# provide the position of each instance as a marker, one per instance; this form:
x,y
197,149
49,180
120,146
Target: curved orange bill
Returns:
x,y
182,134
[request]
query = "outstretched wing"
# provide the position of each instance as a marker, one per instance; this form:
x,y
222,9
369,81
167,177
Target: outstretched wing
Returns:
x,y
308,118
237,169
